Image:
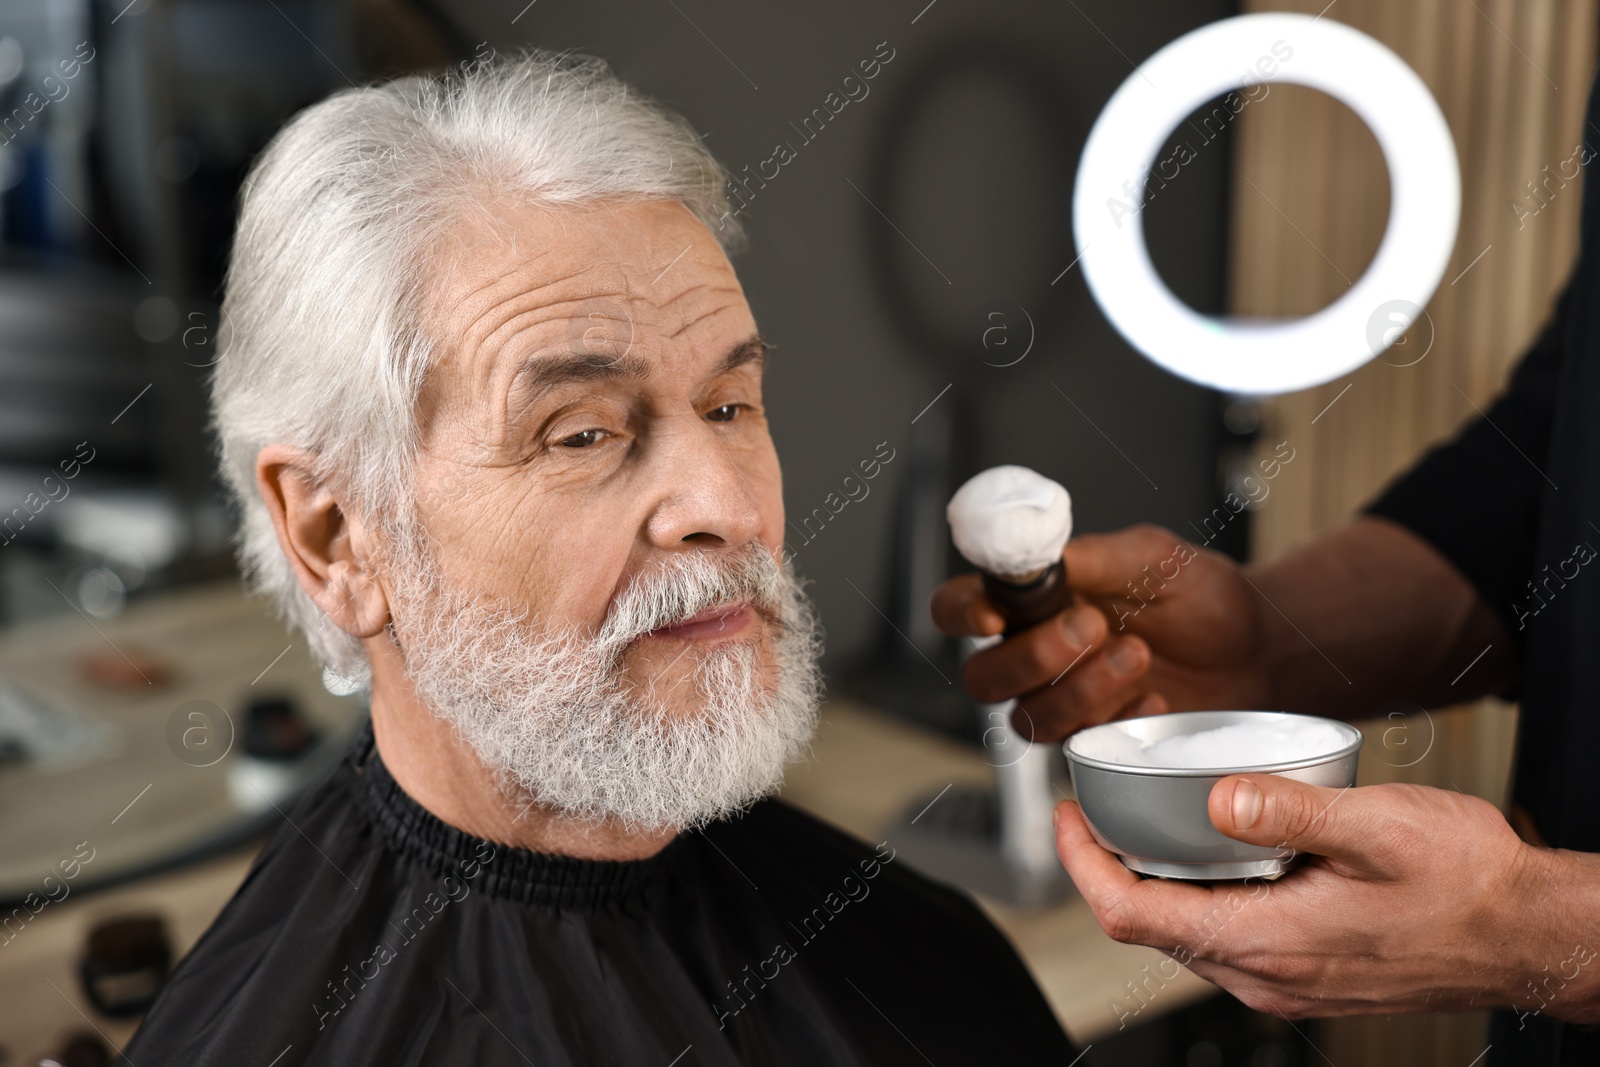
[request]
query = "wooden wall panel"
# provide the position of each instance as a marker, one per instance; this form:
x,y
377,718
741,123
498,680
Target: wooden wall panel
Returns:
x,y
1309,205
1310,202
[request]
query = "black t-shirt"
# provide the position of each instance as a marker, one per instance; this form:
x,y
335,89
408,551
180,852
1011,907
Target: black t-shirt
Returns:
x,y
1514,503
371,932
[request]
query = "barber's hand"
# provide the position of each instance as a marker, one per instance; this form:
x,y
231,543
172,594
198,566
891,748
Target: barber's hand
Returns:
x,y
1186,635
1413,899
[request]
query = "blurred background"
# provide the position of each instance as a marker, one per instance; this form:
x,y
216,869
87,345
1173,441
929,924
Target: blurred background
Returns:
x,y
913,265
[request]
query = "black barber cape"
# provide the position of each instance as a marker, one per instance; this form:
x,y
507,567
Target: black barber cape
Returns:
x,y
370,932
1514,503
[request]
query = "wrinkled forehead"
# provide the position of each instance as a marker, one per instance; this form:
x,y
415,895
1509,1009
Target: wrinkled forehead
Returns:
x,y
515,285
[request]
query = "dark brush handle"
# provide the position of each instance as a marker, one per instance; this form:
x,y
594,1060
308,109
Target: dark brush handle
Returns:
x,y
1026,606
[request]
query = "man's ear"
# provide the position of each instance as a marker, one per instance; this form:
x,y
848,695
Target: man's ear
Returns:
x,y
330,551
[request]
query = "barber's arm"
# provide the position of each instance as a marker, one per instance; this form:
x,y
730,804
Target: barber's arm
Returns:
x,y
1364,614
1414,899
1411,898
1393,606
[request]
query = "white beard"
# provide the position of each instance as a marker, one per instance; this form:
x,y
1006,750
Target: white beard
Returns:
x,y
552,716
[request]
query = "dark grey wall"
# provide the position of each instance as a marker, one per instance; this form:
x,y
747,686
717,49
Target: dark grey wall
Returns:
x,y
986,209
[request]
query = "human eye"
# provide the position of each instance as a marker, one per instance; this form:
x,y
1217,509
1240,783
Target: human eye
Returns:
x,y
583,439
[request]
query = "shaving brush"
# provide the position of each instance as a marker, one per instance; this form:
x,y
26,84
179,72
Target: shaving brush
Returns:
x,y
1012,523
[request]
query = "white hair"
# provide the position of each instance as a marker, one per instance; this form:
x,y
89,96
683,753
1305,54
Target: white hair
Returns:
x,y
322,344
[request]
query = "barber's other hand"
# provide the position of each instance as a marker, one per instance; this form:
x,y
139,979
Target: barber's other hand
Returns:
x,y
1413,899
1186,634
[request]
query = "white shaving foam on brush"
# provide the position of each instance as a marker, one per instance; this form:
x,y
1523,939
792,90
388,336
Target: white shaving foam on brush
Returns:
x,y
1010,522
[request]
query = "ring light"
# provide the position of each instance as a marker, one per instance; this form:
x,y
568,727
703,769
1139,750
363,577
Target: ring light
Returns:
x,y
1265,356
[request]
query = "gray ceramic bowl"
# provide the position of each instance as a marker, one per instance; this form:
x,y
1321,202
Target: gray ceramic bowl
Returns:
x,y
1156,819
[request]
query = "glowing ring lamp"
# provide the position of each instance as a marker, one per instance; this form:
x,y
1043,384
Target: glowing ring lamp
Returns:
x,y
1262,357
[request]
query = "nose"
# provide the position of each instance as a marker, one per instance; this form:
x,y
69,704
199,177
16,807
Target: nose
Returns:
x,y
705,498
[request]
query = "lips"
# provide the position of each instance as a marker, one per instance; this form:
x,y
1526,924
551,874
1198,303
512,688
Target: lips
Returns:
x,y
725,620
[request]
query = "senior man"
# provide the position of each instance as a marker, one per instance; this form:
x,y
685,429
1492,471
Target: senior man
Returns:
x,y
492,409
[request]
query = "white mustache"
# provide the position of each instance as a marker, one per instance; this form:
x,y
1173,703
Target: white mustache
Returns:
x,y
687,585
